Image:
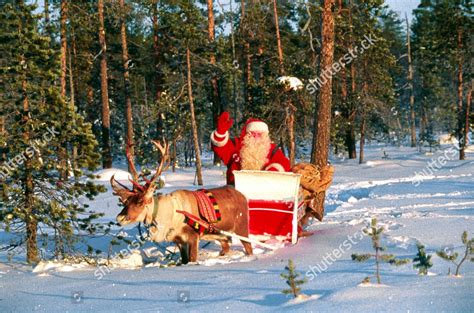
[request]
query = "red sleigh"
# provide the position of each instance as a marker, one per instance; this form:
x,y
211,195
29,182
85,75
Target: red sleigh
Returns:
x,y
275,206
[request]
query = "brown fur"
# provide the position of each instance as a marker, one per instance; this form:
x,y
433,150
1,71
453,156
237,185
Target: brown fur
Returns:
x,y
171,226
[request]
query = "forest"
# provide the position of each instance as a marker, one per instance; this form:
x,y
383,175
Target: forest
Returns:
x,y
82,82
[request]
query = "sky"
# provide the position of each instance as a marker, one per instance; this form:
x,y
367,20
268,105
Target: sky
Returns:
x,y
399,6
403,6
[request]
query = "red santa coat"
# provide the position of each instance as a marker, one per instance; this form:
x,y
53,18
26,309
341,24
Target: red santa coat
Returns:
x,y
228,151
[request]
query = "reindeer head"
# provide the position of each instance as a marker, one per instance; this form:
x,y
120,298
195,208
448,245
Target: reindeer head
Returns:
x,y
139,200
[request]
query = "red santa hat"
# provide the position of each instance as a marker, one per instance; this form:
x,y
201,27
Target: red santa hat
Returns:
x,y
253,125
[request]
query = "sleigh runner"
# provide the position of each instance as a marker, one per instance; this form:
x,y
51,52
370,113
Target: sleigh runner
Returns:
x,y
274,200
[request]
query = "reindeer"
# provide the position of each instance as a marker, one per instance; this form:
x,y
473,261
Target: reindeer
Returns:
x,y
165,224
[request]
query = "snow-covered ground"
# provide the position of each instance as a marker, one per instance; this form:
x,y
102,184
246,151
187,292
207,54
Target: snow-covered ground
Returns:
x,y
433,208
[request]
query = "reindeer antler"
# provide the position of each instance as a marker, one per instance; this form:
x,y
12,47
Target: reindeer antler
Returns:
x,y
149,187
164,150
133,169
131,164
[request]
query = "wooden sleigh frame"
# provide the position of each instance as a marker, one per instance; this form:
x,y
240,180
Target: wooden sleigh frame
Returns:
x,y
275,205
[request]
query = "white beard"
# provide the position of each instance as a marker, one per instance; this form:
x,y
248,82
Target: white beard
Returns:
x,y
254,152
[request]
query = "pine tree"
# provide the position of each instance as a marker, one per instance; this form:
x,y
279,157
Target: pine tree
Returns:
x,y
468,253
424,260
322,116
35,200
291,277
126,78
104,89
214,95
374,232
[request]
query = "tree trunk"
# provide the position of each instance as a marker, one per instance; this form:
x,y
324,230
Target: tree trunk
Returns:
x,y
126,79
410,87
423,125
277,30
193,119
467,112
90,102
289,108
64,9
350,135
377,264
349,142
46,16
173,155
365,88
290,118
351,138
32,255
247,71
234,71
106,148
462,153
72,103
362,138
322,120
247,74
62,151
215,98
158,81
72,92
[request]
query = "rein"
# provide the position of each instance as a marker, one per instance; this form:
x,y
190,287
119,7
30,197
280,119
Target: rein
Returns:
x,y
147,226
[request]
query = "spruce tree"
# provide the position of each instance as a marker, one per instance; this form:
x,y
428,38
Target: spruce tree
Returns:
x,y
374,232
423,260
291,277
40,123
468,253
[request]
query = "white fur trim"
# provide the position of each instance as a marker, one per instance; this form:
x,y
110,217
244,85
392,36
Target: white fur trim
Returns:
x,y
221,135
277,166
219,143
257,126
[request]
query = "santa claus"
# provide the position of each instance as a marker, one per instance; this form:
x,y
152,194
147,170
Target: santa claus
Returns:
x,y
252,151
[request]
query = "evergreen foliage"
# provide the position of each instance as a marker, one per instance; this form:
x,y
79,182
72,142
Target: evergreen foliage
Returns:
x,y
422,261
374,232
370,99
452,257
40,124
291,277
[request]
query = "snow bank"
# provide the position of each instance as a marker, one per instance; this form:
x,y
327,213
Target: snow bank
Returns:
x,y
433,213
106,174
290,82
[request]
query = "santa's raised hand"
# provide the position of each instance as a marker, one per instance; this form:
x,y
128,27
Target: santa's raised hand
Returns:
x,y
224,123
253,150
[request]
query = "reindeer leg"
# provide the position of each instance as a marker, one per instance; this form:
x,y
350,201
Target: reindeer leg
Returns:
x,y
225,247
193,247
247,247
244,231
184,251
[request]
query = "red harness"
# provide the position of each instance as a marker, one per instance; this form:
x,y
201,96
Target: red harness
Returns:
x,y
208,211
